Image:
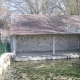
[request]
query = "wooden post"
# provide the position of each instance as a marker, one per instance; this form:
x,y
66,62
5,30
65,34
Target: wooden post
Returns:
x,y
14,44
53,44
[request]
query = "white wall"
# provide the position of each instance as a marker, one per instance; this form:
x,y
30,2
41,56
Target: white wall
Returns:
x,y
44,43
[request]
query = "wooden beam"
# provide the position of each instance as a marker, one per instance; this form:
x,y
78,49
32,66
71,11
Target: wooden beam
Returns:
x,y
18,40
53,44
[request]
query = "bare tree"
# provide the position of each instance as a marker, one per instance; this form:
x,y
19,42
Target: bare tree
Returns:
x,y
37,6
4,14
72,6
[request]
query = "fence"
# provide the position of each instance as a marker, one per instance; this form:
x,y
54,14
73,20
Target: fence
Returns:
x,y
4,44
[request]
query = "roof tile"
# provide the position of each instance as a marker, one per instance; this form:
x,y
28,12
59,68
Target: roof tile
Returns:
x,y
44,24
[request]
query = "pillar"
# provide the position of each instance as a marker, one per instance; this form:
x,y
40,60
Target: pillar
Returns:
x,y
14,44
53,44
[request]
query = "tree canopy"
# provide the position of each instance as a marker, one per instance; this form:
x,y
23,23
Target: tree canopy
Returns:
x,y
71,7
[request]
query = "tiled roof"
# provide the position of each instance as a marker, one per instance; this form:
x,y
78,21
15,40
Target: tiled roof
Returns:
x,y
44,24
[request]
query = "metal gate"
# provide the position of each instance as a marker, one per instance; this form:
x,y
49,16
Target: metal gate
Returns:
x,y
4,45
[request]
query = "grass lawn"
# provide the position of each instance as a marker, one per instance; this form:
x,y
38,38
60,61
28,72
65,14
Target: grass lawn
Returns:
x,y
44,70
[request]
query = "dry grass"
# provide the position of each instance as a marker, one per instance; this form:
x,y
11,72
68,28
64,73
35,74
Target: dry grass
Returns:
x,y
44,70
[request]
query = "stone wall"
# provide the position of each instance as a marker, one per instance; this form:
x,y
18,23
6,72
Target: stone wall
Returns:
x,y
67,42
4,62
34,43
45,43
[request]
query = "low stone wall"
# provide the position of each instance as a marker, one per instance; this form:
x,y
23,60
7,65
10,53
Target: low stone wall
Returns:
x,y
4,61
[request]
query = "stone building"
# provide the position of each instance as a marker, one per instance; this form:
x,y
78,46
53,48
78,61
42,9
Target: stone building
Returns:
x,y
44,33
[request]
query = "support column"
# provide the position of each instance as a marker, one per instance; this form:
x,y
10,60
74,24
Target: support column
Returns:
x,y
14,44
79,43
53,44
11,43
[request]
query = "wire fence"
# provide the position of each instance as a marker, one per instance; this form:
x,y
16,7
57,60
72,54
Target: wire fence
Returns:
x,y
4,45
